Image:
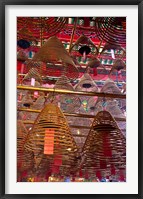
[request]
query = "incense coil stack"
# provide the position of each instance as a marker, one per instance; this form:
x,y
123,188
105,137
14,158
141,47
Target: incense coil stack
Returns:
x,y
25,159
51,125
105,145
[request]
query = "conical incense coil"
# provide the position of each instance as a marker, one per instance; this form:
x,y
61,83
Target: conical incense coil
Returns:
x,y
83,40
118,65
33,73
109,87
53,51
86,83
94,63
111,29
27,100
111,106
67,103
25,159
105,144
51,136
113,47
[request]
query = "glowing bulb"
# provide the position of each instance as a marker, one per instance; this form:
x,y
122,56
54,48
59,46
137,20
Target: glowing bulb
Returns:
x,y
69,149
78,131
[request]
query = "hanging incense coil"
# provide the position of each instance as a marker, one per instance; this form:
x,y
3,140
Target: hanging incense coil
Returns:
x,y
112,106
105,145
24,158
67,103
33,73
51,125
94,63
108,47
31,27
27,100
87,84
22,56
118,65
111,29
52,52
109,87
86,42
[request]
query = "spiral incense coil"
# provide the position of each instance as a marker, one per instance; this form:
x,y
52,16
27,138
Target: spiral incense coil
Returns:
x,y
118,65
82,40
31,27
27,100
111,106
67,103
86,83
22,56
105,144
108,87
111,29
112,47
51,125
95,63
53,51
24,158
33,73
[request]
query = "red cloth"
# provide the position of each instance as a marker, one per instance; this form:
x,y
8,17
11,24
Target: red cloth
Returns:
x,y
103,164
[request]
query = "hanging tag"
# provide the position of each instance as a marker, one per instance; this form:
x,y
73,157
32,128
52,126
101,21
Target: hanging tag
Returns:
x,y
32,82
112,54
49,141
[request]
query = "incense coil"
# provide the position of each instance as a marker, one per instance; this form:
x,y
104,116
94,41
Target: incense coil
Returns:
x,y
95,63
51,53
82,40
30,27
67,103
116,47
33,73
111,106
22,55
52,118
111,29
118,64
109,87
24,157
104,144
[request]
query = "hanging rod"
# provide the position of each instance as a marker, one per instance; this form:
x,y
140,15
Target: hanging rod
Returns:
x,y
69,114
62,91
